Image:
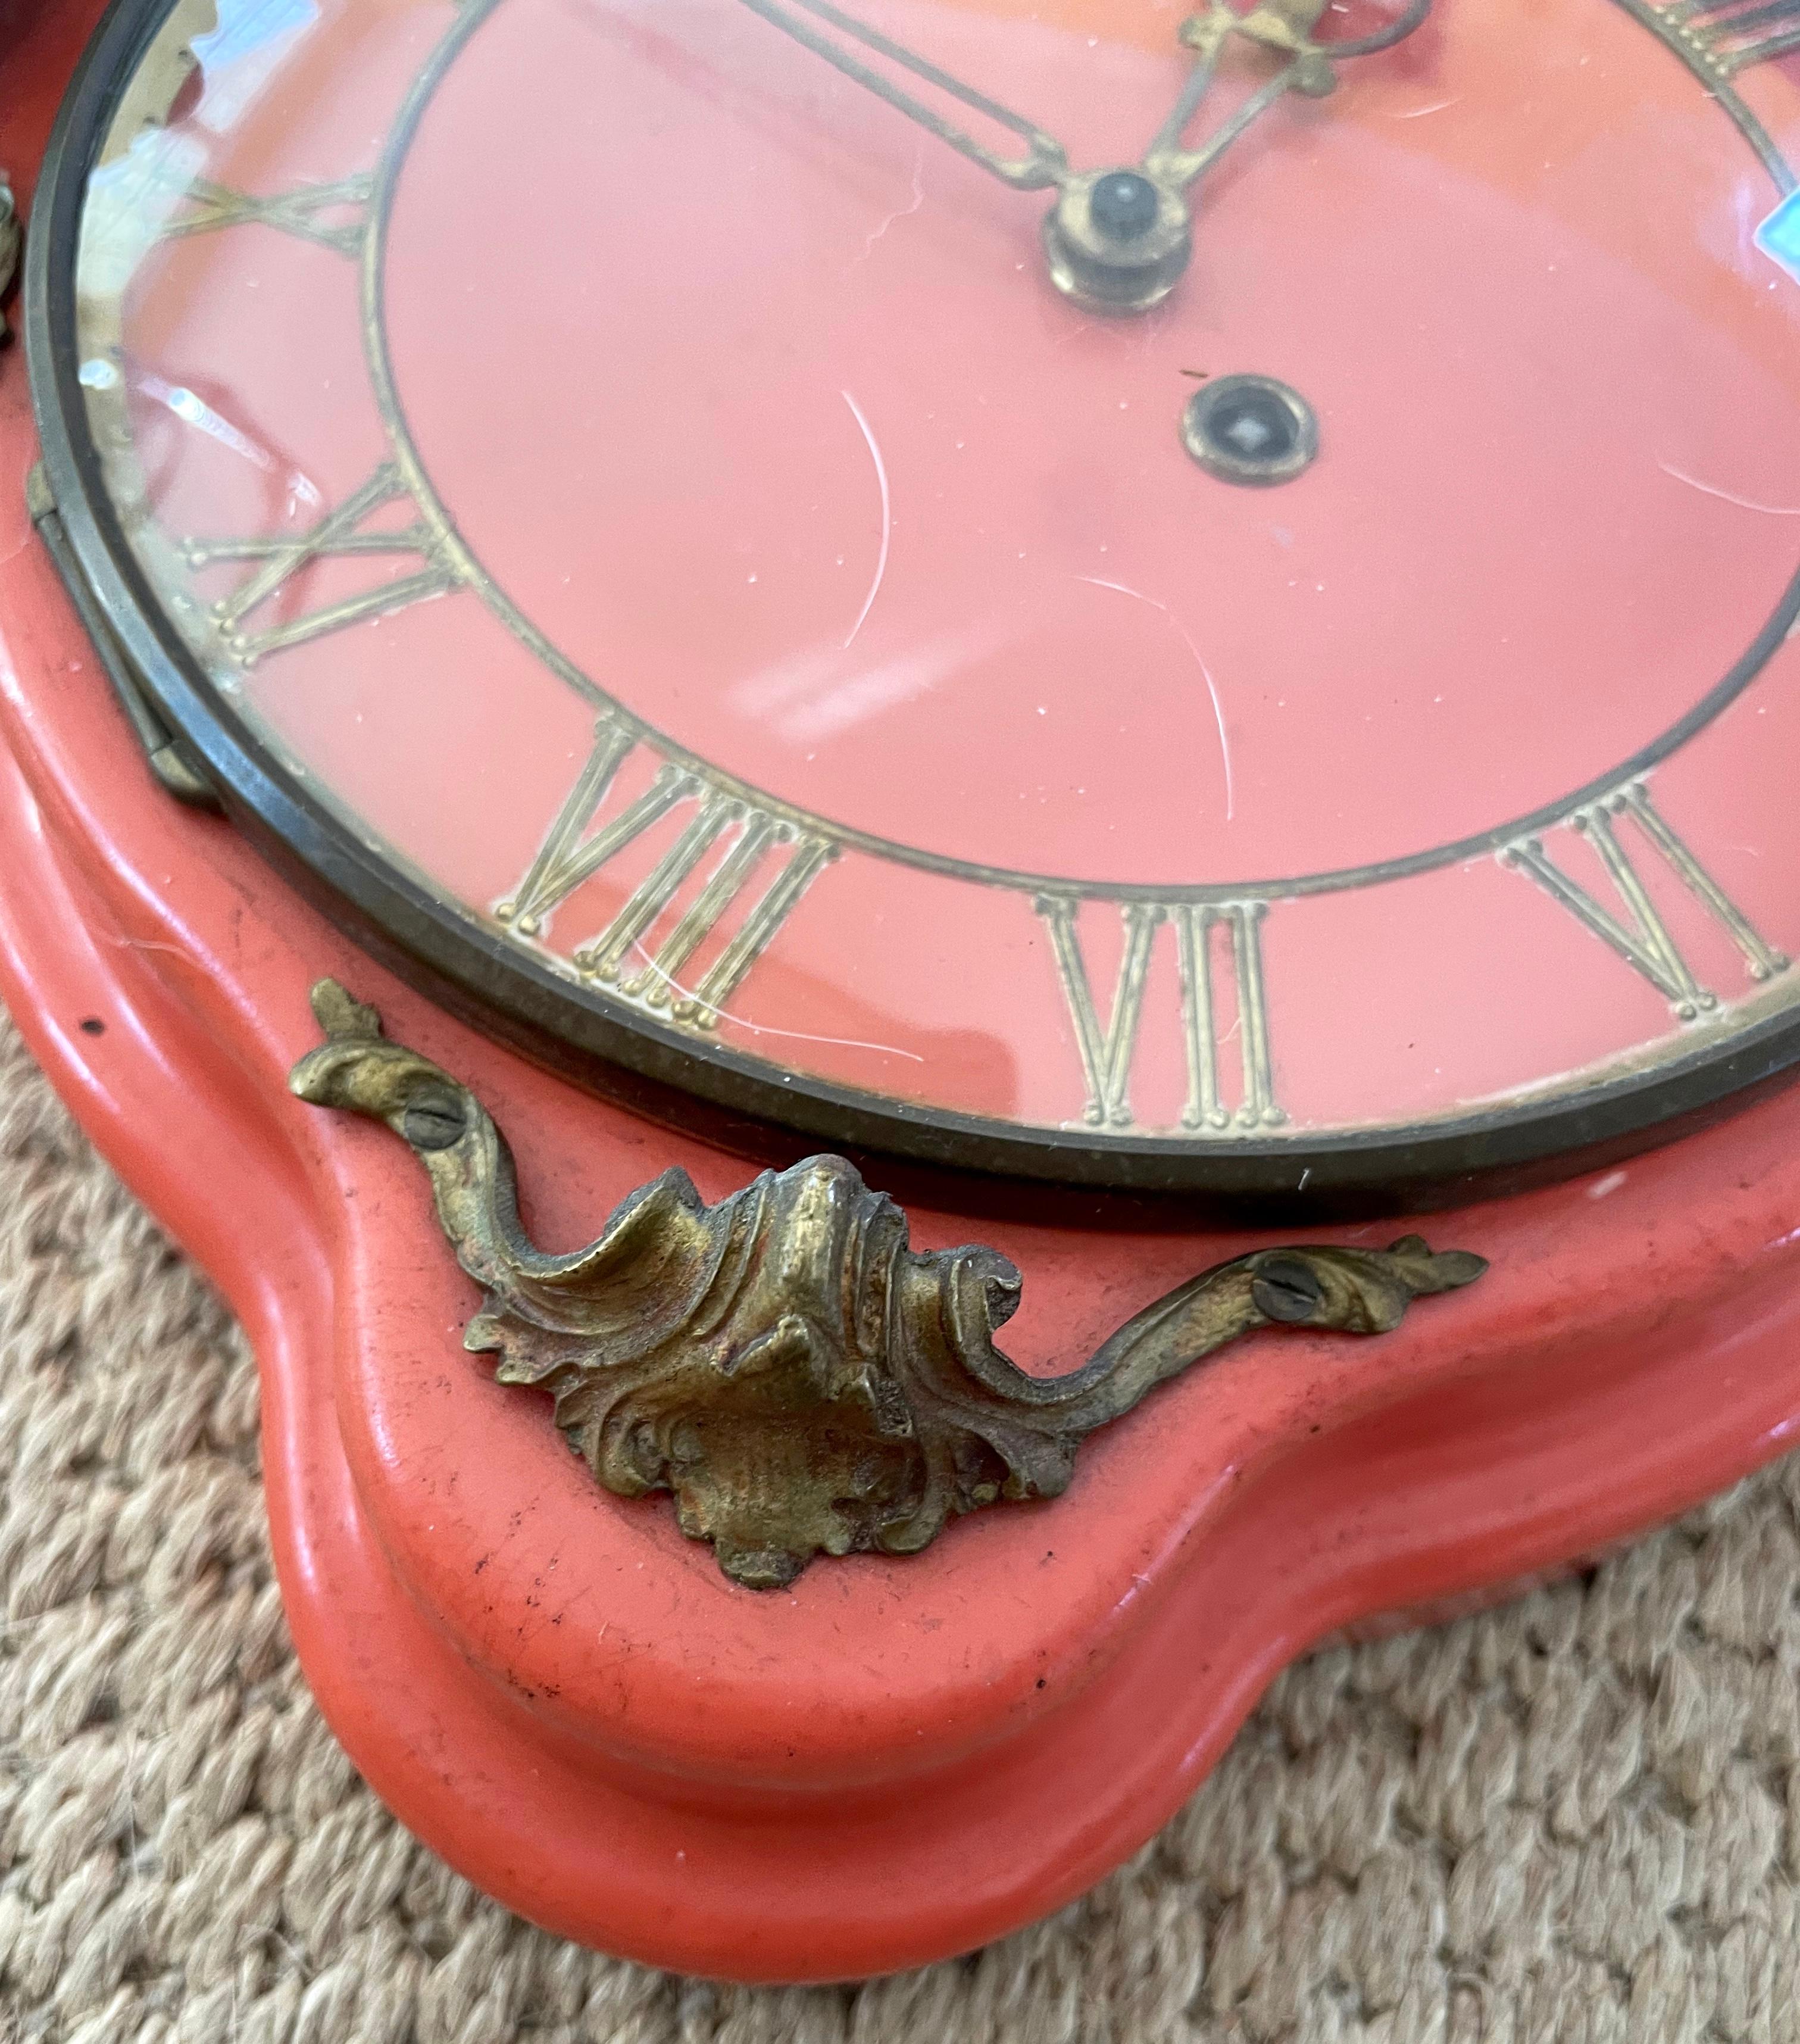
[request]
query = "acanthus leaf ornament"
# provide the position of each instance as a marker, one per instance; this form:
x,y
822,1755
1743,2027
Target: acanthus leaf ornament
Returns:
x,y
802,1379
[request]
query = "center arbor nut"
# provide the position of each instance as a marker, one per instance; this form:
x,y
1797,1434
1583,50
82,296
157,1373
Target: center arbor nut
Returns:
x,y
1118,241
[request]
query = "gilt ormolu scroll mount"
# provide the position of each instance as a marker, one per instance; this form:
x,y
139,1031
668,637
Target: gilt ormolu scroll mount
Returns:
x,y
802,1379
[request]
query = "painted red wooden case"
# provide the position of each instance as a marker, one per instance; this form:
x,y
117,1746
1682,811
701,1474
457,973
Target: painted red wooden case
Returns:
x,y
895,1758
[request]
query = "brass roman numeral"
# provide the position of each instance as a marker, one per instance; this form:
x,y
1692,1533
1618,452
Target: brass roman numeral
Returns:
x,y
737,834
1109,1049
304,211
1642,937
339,533
1731,35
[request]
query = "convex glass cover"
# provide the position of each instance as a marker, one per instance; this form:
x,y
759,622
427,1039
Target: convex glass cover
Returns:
x,y
1190,600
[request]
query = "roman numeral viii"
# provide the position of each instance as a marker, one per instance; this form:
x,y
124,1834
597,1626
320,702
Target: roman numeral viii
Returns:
x,y
732,840
1109,1049
338,533
1641,936
1734,34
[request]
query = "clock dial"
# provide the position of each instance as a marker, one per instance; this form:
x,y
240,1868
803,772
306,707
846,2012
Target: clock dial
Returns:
x,y
1198,600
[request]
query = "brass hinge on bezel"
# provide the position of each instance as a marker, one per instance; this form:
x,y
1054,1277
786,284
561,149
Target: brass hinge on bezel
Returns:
x,y
171,758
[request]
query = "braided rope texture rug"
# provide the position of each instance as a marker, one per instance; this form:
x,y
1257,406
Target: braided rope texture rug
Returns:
x,y
1571,1821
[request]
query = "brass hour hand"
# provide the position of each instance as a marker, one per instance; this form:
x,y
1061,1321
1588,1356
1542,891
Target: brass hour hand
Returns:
x,y
1283,26
1044,162
1118,241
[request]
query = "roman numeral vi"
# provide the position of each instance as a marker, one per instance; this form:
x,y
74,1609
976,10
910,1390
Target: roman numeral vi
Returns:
x,y
1640,935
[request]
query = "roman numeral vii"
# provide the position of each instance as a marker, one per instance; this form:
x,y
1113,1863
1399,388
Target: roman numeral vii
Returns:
x,y
1216,948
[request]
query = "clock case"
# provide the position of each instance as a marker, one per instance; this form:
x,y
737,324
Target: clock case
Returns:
x,y
897,1758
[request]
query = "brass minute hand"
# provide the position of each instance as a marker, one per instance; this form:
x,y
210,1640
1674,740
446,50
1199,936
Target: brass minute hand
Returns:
x,y
1044,163
1284,26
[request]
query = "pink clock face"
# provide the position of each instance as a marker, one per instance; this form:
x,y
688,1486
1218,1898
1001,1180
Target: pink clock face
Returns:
x,y
1233,600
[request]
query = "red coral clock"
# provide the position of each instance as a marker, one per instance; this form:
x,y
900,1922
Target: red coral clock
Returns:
x,y
1128,647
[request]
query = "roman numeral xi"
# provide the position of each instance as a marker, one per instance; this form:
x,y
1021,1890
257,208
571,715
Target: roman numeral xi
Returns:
x,y
649,948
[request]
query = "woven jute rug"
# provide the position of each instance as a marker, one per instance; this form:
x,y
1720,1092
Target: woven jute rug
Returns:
x,y
1575,1819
